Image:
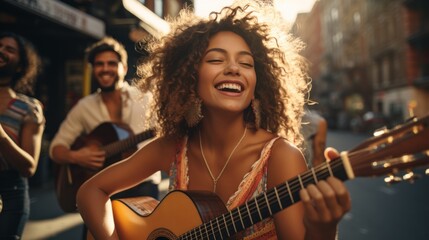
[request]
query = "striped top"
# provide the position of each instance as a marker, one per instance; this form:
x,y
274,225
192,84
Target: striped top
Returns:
x,y
20,110
252,184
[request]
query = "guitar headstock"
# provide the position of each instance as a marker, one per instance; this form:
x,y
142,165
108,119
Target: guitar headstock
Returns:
x,y
403,147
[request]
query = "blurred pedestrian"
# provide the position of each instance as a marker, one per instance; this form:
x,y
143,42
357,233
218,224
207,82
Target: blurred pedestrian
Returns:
x,y
21,128
314,129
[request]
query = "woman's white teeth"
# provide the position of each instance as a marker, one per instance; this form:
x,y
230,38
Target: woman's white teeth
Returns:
x,y
229,87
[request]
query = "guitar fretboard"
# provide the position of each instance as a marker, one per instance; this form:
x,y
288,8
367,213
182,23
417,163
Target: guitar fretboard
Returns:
x,y
125,144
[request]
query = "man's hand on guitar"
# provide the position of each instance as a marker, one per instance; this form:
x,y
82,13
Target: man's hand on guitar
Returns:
x,y
89,157
325,202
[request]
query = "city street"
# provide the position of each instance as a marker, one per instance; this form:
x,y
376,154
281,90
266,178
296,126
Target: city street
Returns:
x,y
378,211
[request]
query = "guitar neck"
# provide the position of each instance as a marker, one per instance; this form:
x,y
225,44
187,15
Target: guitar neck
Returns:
x,y
265,205
117,147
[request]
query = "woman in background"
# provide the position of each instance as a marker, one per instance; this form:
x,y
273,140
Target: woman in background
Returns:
x,y
21,129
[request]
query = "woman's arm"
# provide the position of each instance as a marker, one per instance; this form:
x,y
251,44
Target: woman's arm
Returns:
x,y
93,200
23,156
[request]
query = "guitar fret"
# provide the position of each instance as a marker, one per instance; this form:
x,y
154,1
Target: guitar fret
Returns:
x,y
268,204
218,226
314,175
195,233
226,225
329,168
248,212
205,228
185,236
278,198
241,219
233,223
290,193
259,212
211,227
346,164
300,182
199,232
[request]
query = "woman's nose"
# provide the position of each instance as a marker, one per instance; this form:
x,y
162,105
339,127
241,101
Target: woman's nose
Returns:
x,y
232,68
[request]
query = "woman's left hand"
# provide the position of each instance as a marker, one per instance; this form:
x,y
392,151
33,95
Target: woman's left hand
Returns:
x,y
325,203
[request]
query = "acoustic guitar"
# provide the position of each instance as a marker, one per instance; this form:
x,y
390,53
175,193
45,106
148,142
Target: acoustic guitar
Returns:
x,y
117,140
202,215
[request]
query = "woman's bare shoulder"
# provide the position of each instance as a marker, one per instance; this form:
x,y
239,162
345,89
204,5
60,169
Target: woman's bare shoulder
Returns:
x,y
286,161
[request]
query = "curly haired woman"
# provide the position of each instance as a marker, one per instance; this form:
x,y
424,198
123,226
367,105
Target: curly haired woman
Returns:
x,y
229,97
21,129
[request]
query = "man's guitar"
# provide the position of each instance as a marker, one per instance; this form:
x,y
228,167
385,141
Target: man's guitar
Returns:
x,y
117,140
202,215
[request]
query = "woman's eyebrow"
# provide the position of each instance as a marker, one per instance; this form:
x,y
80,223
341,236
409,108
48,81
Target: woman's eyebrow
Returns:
x,y
224,51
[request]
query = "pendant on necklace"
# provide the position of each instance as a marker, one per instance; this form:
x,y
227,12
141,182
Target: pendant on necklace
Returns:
x,y
214,185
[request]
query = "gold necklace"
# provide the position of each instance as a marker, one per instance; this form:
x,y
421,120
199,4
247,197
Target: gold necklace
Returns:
x,y
226,163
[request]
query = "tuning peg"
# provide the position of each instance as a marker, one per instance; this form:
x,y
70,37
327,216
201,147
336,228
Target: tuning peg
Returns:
x,y
410,176
392,179
380,131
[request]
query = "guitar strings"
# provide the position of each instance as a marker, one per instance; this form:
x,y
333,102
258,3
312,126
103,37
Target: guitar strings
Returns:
x,y
283,192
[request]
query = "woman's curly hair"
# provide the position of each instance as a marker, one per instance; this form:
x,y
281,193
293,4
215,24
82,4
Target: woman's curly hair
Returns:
x,y
29,63
171,69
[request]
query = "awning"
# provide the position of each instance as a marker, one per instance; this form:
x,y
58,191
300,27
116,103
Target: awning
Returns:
x,y
63,14
151,22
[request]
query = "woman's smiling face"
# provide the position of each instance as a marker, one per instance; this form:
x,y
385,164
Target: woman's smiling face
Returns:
x,y
227,76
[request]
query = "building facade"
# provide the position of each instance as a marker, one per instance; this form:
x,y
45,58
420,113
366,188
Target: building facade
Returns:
x,y
375,61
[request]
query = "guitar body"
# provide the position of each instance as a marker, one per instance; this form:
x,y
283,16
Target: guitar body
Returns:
x,y
177,213
69,177
103,135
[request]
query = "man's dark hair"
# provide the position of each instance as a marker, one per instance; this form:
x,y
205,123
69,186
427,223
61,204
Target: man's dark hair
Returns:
x,y
107,44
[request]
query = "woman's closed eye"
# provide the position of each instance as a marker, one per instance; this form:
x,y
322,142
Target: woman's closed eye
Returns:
x,y
215,61
247,64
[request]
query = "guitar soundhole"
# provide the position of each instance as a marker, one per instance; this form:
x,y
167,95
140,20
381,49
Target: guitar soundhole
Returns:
x,y
162,234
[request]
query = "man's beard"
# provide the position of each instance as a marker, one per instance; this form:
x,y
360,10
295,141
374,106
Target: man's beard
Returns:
x,y
110,88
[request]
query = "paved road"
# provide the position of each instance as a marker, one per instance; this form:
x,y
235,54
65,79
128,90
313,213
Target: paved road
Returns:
x,y
379,212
